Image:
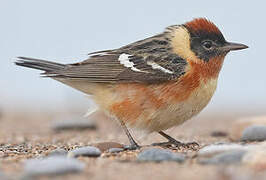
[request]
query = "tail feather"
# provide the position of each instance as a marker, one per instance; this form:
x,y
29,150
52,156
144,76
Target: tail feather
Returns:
x,y
44,65
54,70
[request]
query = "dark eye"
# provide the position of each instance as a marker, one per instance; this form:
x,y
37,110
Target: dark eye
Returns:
x,y
207,45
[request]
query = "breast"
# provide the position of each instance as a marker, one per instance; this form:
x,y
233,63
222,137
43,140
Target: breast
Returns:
x,y
177,112
200,97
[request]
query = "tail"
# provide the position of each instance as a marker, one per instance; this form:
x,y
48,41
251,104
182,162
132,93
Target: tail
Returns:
x,y
43,65
52,70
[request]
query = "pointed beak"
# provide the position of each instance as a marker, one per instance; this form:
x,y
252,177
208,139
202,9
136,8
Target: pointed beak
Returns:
x,y
230,46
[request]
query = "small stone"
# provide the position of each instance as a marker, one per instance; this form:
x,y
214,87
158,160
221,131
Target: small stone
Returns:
x,y
231,157
239,125
104,146
158,155
254,133
2,154
256,158
89,151
115,150
218,134
52,166
75,123
214,149
58,152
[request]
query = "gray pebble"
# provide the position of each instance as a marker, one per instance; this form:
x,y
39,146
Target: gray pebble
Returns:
x,y
115,150
74,123
158,155
254,133
230,157
89,151
214,149
58,152
52,166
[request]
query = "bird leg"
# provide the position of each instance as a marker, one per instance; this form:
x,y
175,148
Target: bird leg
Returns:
x,y
171,141
133,144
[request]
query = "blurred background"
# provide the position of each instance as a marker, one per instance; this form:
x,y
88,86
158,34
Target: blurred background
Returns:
x,y
66,31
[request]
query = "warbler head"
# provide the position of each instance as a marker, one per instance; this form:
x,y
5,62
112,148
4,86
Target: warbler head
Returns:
x,y
201,40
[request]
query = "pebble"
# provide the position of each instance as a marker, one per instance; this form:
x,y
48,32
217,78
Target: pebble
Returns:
x,y
52,166
254,133
104,146
256,158
239,125
115,150
58,152
219,134
2,154
88,151
215,149
231,157
158,155
75,123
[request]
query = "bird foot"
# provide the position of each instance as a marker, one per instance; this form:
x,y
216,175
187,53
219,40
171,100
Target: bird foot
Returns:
x,y
178,145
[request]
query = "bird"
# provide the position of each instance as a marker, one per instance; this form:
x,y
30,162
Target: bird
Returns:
x,y
151,84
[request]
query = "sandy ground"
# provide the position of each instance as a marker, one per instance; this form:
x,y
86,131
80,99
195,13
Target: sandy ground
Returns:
x,y
29,135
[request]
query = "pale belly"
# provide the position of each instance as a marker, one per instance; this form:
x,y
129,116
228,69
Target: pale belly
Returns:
x,y
175,114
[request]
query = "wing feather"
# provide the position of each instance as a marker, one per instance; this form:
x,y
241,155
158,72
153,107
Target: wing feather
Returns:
x,y
146,61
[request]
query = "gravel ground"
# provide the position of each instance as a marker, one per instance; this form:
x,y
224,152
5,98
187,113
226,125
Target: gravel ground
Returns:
x,y
28,138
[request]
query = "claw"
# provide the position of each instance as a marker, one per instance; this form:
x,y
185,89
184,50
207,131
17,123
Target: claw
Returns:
x,y
174,143
177,144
